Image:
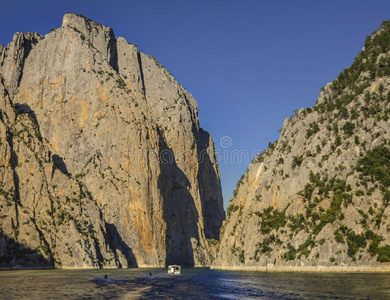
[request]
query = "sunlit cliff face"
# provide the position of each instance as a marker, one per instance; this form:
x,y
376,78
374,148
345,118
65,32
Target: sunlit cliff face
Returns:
x,y
104,163
318,198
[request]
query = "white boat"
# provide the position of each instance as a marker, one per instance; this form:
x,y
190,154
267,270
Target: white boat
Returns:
x,y
174,269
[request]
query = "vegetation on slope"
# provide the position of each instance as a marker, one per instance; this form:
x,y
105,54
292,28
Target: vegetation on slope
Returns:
x,y
351,113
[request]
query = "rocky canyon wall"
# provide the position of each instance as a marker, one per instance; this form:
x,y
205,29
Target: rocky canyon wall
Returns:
x,y
103,160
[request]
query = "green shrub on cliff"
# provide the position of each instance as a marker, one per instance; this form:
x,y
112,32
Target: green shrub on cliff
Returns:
x,y
297,161
376,164
384,254
272,219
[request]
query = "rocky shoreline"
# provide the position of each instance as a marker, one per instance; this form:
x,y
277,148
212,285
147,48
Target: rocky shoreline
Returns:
x,y
380,268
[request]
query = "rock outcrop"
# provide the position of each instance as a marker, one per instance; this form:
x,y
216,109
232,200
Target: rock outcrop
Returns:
x,y
318,198
103,160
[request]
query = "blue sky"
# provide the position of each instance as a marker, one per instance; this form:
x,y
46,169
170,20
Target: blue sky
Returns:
x,y
249,64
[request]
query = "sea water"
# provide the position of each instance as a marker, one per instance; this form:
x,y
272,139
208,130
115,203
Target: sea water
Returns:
x,y
194,283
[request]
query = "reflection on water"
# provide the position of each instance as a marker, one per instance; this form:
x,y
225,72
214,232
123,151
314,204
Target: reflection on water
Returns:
x,y
194,283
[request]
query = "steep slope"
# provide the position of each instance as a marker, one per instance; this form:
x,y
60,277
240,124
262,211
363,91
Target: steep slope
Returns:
x,y
318,198
43,210
117,123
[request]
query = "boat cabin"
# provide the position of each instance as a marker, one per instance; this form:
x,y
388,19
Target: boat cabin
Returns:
x,y
174,269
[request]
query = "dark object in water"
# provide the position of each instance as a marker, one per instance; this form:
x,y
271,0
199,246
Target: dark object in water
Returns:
x,y
105,276
150,273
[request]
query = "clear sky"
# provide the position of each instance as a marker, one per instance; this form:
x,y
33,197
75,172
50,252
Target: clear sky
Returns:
x,y
249,64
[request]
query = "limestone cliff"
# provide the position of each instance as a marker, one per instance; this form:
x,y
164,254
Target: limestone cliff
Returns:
x,y
103,160
318,198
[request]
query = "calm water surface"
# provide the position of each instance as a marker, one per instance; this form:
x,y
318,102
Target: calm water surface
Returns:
x,y
194,283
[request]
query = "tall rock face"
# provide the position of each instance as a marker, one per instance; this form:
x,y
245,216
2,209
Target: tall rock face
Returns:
x,y
318,198
102,152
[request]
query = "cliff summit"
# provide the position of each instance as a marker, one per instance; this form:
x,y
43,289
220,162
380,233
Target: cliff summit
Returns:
x,y
103,162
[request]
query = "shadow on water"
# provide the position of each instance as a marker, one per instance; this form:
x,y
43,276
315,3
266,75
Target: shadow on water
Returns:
x,y
179,211
195,283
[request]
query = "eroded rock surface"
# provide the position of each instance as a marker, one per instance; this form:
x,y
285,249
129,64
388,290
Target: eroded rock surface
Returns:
x,y
318,198
103,160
